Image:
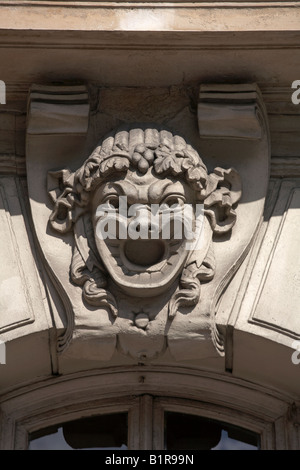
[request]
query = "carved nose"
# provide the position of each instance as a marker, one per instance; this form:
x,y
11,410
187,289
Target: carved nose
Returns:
x,y
144,220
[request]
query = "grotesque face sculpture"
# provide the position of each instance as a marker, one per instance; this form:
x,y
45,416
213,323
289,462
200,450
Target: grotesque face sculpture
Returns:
x,y
143,253
127,206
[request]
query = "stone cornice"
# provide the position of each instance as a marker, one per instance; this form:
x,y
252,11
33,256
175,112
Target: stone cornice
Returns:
x,y
145,4
162,40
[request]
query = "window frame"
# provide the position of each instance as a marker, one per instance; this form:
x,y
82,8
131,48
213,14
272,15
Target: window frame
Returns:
x,y
146,393
203,410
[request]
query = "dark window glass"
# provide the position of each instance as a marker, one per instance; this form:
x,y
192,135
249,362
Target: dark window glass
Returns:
x,y
98,432
190,432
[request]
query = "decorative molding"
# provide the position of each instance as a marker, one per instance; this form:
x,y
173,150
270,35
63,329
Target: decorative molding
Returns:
x,y
151,16
16,299
164,40
288,167
12,165
224,398
147,4
266,292
280,313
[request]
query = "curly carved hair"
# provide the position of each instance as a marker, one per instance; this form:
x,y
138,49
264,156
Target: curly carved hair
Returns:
x,y
139,148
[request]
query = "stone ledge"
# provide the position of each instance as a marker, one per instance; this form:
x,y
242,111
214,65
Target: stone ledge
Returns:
x,y
121,16
285,167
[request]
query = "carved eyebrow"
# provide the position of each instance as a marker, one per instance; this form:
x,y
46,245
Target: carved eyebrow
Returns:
x,y
125,188
164,189
106,189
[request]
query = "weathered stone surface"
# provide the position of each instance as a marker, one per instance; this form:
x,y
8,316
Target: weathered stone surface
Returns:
x,y
19,286
274,270
25,320
282,271
144,62
162,16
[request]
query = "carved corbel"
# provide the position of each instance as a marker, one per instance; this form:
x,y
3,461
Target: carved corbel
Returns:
x,y
144,296
232,112
233,127
57,125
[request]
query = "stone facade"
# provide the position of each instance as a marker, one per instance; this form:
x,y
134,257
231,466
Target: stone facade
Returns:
x,y
185,104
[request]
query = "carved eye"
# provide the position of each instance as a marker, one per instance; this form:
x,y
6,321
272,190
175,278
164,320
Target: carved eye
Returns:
x,y
113,201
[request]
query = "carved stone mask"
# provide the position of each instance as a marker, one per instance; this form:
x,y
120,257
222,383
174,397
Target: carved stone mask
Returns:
x,y
138,167
147,247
